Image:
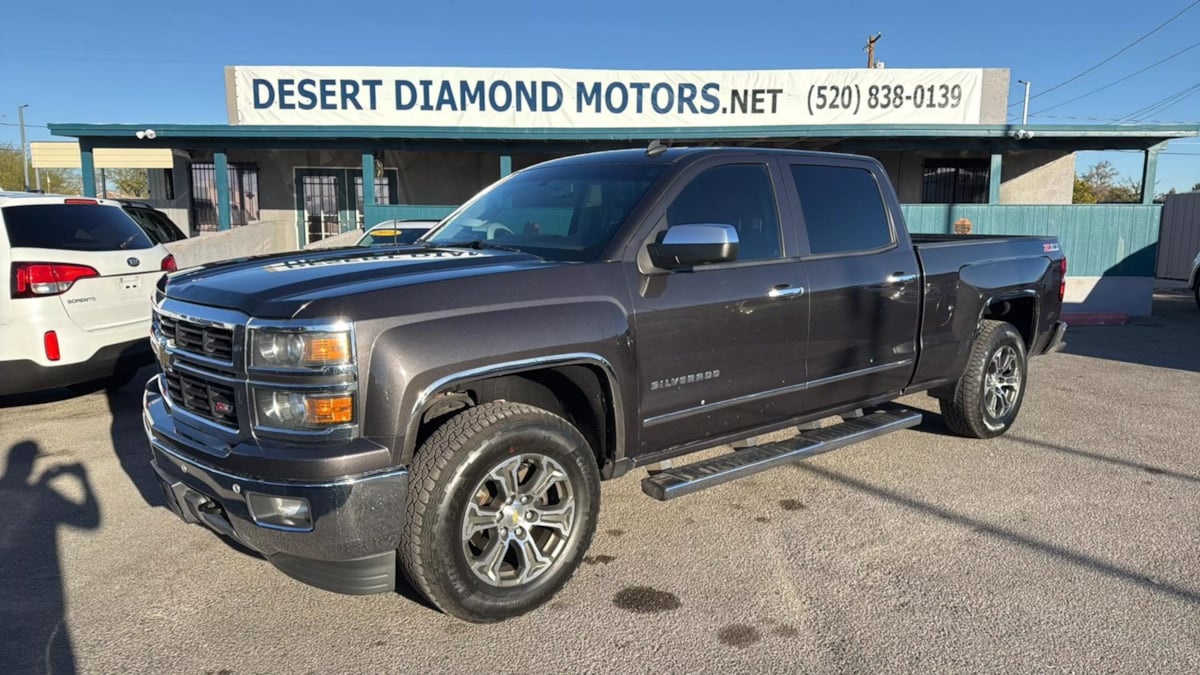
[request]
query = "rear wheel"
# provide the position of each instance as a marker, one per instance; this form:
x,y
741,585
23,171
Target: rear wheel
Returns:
x,y
501,508
987,397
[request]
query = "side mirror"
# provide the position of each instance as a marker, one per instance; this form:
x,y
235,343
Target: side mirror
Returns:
x,y
691,245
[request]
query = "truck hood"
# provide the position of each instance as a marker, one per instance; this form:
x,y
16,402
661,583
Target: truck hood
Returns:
x,y
280,286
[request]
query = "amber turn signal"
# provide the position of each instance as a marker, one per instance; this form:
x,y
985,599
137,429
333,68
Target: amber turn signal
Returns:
x,y
331,410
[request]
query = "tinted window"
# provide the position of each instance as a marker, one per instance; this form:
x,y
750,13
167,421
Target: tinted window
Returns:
x,y
561,212
168,226
739,195
843,210
73,227
151,226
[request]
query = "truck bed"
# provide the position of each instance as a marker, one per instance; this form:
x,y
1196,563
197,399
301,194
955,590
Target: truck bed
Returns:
x,y
963,274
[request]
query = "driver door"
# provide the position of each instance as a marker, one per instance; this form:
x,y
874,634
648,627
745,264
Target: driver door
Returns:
x,y
718,351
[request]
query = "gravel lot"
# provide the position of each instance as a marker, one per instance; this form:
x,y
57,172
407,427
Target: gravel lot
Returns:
x,y
1073,544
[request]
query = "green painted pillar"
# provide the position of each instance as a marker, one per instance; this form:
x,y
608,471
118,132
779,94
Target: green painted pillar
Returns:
x,y
994,179
1150,172
505,165
87,167
221,167
368,180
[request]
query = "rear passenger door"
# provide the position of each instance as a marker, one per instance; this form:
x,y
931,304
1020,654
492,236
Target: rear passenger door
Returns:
x,y
718,352
863,281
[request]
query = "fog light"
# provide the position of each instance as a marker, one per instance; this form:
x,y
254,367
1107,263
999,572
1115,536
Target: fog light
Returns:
x,y
285,512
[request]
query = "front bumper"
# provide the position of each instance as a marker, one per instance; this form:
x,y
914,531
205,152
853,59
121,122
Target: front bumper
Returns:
x,y
356,522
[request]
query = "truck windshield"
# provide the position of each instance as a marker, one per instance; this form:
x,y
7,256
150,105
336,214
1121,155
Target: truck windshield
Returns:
x,y
565,213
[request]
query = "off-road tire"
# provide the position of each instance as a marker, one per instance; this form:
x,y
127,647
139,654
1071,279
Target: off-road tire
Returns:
x,y
964,411
446,471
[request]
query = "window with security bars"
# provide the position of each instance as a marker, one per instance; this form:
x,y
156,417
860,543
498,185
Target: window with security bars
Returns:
x,y
955,181
243,195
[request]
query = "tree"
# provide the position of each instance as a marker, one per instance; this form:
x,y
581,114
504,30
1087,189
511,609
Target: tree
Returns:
x,y
1196,187
12,174
1102,183
1084,194
128,182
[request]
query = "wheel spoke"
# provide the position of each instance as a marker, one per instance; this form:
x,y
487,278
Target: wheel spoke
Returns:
x,y
1010,360
1008,381
479,519
559,517
488,563
992,403
507,476
532,561
543,479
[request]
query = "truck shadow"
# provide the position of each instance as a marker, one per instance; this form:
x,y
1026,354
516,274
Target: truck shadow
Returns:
x,y
36,637
129,438
1047,548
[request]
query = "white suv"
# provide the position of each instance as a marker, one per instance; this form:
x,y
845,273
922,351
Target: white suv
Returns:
x,y
76,280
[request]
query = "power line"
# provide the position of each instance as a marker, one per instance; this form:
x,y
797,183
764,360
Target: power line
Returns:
x,y
1122,50
27,125
1115,82
1161,104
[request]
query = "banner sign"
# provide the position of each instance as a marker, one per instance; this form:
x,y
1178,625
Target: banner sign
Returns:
x,y
552,98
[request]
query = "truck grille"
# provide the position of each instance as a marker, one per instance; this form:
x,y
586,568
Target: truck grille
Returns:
x,y
214,342
211,400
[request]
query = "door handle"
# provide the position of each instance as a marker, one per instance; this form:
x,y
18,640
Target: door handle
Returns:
x,y
784,291
901,278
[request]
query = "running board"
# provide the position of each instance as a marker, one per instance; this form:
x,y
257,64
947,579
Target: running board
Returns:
x,y
685,480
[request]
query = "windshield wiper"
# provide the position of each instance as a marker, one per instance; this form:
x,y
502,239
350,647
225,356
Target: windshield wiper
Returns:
x,y
477,244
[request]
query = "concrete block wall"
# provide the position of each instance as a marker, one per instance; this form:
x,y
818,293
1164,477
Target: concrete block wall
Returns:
x,y
256,239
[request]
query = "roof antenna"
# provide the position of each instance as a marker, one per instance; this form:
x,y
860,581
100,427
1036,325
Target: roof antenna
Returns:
x,y
655,148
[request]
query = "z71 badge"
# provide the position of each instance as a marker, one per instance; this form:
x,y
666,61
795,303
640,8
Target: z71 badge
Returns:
x,y
684,379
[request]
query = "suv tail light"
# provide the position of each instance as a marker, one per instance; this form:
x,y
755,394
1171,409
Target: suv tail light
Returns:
x,y
168,264
33,280
1062,284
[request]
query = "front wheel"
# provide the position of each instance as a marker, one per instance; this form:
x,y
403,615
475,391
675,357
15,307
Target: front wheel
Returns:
x,y
988,395
501,508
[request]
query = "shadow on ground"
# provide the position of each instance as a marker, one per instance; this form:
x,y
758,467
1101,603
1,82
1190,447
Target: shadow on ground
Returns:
x,y
1028,542
35,637
1165,340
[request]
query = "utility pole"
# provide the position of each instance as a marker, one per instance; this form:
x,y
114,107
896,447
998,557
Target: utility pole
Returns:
x,y
24,147
871,40
1025,111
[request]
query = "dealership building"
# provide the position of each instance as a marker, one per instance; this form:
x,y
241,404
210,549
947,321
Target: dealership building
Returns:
x,y
302,143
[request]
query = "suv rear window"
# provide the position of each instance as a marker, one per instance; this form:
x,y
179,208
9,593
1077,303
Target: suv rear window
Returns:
x,y
73,227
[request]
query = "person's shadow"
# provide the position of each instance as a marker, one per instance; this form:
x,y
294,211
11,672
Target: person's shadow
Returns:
x,y
33,630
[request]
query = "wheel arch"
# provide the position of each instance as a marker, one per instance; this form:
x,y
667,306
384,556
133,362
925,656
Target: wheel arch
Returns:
x,y
580,387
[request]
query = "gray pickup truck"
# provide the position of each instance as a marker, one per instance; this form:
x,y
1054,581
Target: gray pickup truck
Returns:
x,y
447,410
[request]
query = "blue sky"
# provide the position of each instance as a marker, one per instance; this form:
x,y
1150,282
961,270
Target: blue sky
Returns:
x,y
156,62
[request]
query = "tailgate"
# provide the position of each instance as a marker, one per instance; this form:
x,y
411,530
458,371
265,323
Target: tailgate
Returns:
x,y
120,264
120,295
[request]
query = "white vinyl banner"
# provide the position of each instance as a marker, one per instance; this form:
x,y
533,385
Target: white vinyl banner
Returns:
x,y
551,98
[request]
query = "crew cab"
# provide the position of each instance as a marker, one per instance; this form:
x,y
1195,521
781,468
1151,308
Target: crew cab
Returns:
x,y
447,410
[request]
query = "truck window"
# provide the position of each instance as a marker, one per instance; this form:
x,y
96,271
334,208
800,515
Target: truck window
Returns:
x,y
736,194
560,212
843,210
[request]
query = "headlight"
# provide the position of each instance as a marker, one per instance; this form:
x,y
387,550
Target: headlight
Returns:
x,y
271,348
299,411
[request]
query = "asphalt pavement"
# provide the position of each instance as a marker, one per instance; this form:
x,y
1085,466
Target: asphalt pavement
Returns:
x,y
1071,544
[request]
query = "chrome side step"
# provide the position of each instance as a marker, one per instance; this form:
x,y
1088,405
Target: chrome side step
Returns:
x,y
684,480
